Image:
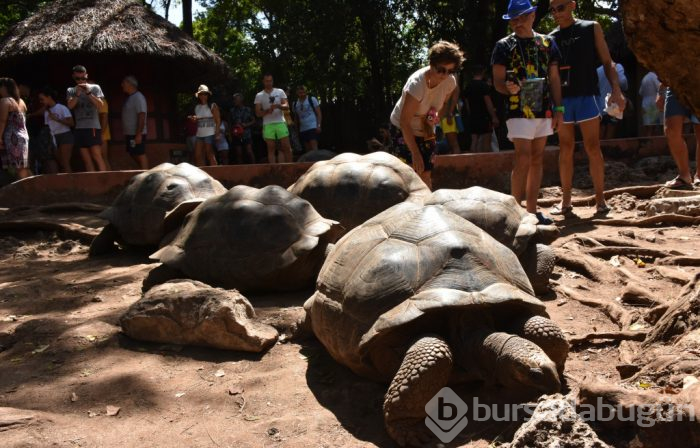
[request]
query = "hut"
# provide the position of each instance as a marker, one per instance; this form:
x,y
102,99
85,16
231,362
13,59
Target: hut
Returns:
x,y
114,38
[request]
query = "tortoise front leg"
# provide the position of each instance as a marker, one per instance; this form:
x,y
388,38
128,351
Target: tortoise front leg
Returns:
x,y
424,371
103,243
547,335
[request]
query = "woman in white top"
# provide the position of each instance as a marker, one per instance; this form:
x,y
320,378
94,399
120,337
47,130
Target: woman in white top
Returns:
x,y
422,103
59,119
208,120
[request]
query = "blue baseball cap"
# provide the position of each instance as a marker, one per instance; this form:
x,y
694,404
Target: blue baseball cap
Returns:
x,y
518,8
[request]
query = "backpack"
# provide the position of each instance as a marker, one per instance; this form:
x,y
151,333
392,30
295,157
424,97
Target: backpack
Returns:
x,y
308,98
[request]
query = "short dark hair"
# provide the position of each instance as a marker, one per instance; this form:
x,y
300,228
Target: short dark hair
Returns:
x,y
49,92
11,86
79,69
266,74
444,52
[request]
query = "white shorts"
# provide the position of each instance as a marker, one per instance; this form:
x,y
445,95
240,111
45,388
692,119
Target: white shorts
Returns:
x,y
529,128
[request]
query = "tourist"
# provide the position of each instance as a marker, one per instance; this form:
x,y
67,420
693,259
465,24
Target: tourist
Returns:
x,y
206,114
525,68
221,143
308,113
134,119
14,139
582,45
675,114
424,95
609,123
85,101
651,115
106,133
483,118
242,119
59,119
269,105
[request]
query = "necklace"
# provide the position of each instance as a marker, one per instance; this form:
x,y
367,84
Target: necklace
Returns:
x,y
525,53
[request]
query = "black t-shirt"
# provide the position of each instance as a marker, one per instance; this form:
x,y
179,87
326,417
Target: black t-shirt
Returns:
x,y
579,59
475,93
530,58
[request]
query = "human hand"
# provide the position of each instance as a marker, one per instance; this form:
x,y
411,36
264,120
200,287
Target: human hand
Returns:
x,y
513,88
619,99
557,120
418,165
660,102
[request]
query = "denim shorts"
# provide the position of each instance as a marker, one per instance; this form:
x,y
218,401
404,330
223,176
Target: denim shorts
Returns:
x,y
209,139
674,107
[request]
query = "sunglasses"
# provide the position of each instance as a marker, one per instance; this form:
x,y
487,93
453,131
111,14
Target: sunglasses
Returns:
x,y
80,78
559,8
442,70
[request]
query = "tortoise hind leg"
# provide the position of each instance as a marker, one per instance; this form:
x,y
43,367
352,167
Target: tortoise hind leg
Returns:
x,y
424,371
103,243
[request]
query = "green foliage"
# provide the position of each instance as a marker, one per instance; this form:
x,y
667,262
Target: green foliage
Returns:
x,y
13,11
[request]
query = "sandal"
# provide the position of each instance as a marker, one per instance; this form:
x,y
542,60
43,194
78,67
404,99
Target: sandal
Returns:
x,y
543,220
678,184
558,210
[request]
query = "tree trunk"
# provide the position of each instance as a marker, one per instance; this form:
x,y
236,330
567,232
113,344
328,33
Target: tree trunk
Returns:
x,y
187,16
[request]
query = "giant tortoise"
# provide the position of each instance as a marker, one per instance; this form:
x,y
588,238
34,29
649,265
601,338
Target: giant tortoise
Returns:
x,y
137,215
418,295
503,218
254,240
351,188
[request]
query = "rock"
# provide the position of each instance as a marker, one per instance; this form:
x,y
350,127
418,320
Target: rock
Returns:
x,y
627,233
657,420
189,312
12,418
673,274
555,423
652,28
688,206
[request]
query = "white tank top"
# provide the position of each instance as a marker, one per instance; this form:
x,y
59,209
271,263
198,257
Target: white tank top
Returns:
x,y
205,120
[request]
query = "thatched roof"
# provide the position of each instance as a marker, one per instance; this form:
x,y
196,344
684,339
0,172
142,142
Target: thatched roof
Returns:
x,y
106,28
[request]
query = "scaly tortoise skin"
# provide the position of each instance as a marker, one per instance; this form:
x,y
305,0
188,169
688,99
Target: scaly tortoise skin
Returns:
x,y
351,188
417,296
503,218
137,215
254,240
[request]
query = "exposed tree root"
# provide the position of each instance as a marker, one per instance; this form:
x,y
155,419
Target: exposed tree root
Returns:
x,y
606,252
577,263
640,191
679,261
614,311
615,336
647,222
603,241
65,230
637,295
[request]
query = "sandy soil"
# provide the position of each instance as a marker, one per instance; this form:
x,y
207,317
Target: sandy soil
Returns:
x,y
65,366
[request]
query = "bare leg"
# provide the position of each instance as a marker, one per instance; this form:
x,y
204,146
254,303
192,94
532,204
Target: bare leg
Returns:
x,y
485,142
271,151
224,157
87,159
475,143
596,165
64,153
209,152
313,145
104,149
534,174
199,153
673,128
23,172
96,153
286,150
142,161
249,151
697,150
566,162
521,166
453,142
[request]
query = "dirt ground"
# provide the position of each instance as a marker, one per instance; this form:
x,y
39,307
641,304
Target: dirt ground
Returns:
x,y
72,379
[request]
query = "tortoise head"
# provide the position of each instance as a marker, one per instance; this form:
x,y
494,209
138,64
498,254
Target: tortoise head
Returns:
x,y
521,363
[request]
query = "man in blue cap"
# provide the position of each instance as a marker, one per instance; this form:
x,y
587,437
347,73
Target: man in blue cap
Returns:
x,y
526,69
582,44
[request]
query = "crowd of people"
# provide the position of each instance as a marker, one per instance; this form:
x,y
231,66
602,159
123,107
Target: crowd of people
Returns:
x,y
551,83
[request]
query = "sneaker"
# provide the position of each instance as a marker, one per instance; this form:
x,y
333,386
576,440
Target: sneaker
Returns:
x,y
543,220
558,210
602,209
678,184
696,181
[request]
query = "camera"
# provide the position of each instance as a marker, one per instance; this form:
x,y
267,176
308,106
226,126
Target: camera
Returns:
x,y
512,76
